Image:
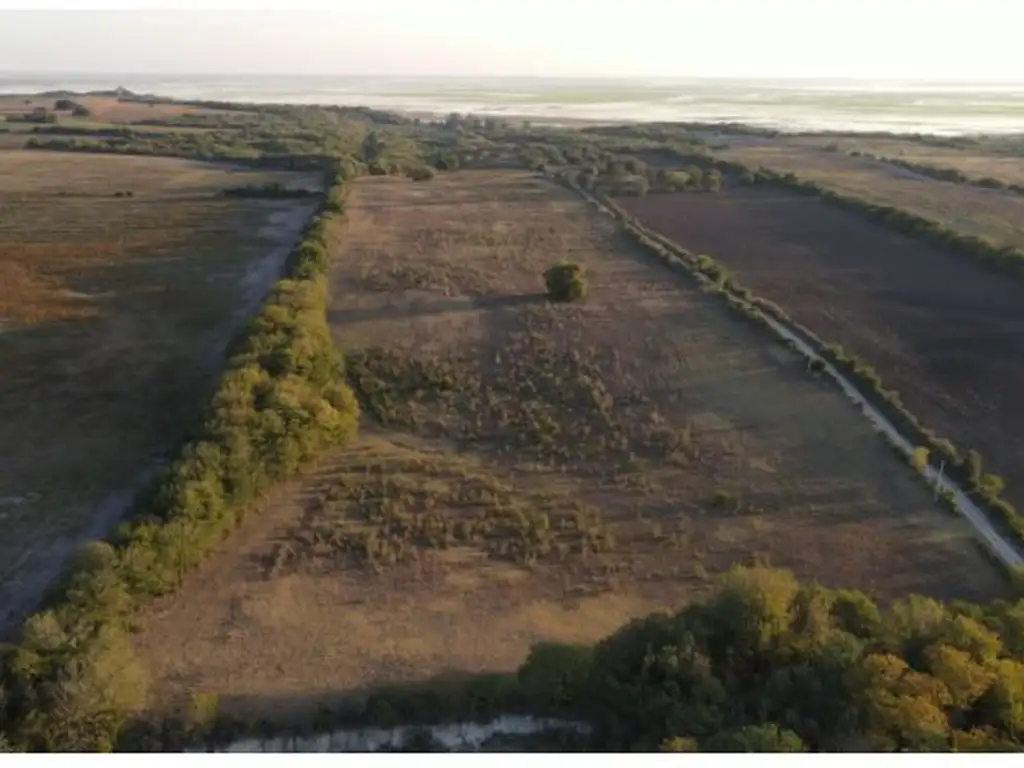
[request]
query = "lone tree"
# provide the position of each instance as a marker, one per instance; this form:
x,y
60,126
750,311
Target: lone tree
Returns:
x,y
565,282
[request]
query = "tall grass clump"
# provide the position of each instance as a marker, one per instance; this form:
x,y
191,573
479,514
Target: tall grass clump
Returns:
x,y
71,682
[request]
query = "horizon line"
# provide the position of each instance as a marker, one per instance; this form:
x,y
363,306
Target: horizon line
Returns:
x,y
578,77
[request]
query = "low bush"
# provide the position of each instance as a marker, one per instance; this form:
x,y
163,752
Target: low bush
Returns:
x,y
566,282
421,173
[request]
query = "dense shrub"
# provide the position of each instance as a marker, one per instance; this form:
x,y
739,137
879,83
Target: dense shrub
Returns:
x,y
769,664
71,682
566,282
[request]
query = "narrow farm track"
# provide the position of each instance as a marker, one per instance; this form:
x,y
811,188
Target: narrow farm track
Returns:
x,y
1002,549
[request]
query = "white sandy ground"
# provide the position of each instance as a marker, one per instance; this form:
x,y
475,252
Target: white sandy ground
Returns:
x,y
42,562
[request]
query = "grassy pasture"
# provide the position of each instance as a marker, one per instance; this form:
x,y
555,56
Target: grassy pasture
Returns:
x,y
114,312
531,471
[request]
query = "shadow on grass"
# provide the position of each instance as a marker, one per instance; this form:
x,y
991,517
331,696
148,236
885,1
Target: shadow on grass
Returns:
x,y
416,308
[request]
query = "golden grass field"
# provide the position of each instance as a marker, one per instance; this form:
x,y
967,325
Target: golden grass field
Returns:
x,y
530,471
114,313
994,214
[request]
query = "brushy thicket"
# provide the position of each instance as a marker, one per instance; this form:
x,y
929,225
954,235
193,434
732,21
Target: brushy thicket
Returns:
x,y
566,282
965,467
72,682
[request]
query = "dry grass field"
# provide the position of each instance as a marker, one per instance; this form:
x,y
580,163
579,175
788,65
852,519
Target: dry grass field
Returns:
x,y
114,312
531,471
941,331
994,214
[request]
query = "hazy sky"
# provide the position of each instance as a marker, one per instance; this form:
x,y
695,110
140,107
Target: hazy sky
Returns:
x,y
776,38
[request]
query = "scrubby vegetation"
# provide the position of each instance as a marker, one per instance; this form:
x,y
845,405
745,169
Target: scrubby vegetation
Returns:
x,y
566,282
616,171
71,682
39,115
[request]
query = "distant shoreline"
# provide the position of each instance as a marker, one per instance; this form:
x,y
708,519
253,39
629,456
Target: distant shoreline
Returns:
x,y
994,109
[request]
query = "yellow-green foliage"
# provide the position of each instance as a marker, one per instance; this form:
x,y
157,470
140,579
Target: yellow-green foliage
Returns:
x,y
72,681
919,459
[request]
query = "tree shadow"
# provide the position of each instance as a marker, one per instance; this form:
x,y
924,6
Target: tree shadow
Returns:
x,y
449,697
418,308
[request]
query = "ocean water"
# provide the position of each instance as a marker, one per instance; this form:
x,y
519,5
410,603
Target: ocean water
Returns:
x,y
946,108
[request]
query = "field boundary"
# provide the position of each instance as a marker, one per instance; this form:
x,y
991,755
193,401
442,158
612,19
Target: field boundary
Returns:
x,y
881,406
941,173
72,681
